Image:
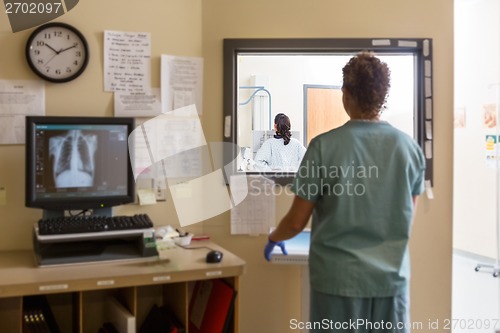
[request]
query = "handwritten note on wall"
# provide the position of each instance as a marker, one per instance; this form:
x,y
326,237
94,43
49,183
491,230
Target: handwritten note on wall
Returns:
x,y
127,61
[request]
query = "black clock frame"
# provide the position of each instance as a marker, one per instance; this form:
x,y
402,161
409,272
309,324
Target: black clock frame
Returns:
x,y
64,26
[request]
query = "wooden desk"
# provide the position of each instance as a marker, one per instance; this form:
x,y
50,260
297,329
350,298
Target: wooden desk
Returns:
x,y
79,291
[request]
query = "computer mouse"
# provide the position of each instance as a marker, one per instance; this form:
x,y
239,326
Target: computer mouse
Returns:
x,y
214,256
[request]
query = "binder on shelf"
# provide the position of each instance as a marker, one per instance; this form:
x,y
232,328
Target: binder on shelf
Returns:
x,y
211,306
34,322
161,319
108,328
119,316
37,316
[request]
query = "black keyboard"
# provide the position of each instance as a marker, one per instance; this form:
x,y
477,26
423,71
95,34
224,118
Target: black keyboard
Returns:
x,y
93,223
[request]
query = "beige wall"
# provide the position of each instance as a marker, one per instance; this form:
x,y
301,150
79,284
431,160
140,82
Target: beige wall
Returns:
x,y
175,27
270,294
264,289
476,88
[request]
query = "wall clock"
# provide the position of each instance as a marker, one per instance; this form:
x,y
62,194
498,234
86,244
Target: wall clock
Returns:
x,y
57,52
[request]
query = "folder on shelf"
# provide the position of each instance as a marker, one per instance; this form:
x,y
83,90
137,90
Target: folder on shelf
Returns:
x,y
211,306
108,328
161,319
119,316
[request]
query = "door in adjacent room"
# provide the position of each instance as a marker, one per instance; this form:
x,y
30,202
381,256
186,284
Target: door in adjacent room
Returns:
x,y
323,110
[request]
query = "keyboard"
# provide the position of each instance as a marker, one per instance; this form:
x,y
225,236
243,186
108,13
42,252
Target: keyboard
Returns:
x,y
92,224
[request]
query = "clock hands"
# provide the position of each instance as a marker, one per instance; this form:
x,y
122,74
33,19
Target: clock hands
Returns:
x,y
47,63
66,49
61,50
50,47
57,52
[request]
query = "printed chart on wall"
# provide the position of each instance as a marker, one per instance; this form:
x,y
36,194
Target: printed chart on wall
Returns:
x,y
18,99
181,82
256,213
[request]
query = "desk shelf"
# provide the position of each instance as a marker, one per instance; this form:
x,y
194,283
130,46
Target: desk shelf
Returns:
x,y
77,294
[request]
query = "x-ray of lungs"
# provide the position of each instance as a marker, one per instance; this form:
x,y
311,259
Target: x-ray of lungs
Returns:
x,y
74,160
174,144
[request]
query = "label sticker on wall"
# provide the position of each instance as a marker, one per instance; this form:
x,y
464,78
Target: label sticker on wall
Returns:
x,y
490,149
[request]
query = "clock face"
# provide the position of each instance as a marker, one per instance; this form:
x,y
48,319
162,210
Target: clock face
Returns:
x,y
57,52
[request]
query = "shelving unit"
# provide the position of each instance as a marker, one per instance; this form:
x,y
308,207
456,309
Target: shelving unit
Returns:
x,y
77,293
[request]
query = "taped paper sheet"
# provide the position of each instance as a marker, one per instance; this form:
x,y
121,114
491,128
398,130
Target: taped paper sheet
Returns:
x,y
18,99
138,104
181,82
256,213
127,61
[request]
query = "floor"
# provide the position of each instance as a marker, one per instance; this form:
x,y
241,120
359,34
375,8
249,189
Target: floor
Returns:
x,y
475,295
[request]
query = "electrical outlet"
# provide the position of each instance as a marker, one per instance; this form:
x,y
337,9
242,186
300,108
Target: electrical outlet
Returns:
x,y
160,194
160,190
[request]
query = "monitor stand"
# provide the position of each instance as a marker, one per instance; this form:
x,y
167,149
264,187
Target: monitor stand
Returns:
x,y
92,247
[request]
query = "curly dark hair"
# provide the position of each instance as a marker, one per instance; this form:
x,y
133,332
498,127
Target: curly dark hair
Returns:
x,y
367,79
283,127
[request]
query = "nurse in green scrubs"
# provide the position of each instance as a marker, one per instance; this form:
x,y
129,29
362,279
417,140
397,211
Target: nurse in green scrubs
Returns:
x,y
360,183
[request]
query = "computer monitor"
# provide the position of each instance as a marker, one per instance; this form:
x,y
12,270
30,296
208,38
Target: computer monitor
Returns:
x,y
78,163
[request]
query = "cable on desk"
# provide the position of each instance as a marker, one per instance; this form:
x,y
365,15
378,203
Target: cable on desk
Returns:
x,y
195,248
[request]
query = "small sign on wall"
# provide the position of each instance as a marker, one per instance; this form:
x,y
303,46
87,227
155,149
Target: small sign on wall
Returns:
x,y
491,151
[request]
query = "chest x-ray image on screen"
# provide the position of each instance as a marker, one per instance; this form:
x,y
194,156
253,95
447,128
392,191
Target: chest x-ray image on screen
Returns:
x,y
78,163
73,156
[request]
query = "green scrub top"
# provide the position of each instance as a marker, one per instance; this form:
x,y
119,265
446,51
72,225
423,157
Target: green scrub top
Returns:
x,y
362,177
